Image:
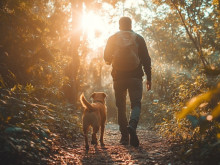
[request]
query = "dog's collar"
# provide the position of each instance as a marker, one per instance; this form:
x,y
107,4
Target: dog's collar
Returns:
x,y
97,101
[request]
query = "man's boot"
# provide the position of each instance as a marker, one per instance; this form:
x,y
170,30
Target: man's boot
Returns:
x,y
132,131
124,135
124,139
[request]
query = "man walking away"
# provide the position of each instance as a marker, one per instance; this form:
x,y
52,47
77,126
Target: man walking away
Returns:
x,y
126,51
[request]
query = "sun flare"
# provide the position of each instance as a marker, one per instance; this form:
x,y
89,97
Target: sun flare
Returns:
x,y
92,23
96,27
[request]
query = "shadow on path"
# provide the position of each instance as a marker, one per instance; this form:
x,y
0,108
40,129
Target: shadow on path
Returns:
x,y
152,150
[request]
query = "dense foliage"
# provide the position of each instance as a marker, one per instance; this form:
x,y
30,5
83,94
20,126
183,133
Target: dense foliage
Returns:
x,y
47,61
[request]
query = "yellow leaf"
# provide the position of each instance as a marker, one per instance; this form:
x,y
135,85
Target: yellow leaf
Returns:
x,y
8,118
194,103
218,135
14,88
216,111
215,2
19,86
2,82
29,88
203,105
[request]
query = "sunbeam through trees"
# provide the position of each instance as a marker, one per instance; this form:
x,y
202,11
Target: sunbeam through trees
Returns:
x,y
51,51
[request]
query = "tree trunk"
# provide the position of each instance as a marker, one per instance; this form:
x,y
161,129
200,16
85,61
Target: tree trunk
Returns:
x,y
73,50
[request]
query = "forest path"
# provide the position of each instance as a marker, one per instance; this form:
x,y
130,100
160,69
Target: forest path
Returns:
x,y
152,150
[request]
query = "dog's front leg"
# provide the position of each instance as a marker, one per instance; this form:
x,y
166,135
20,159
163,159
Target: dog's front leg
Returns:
x,y
102,134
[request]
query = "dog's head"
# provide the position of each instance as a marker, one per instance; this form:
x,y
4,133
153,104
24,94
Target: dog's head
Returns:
x,y
98,97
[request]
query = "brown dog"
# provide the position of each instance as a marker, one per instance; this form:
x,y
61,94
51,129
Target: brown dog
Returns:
x,y
94,115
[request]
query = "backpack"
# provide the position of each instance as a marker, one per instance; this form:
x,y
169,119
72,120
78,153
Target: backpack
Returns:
x,y
125,56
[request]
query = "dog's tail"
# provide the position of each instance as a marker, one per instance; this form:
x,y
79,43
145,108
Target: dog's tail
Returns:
x,y
85,103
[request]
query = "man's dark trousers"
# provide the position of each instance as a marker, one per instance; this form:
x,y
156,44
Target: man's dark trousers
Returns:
x,y
134,87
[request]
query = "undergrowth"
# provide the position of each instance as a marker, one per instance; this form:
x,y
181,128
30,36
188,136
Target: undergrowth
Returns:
x,y
32,118
191,121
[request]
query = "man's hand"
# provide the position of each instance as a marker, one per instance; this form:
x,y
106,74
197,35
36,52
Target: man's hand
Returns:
x,y
148,85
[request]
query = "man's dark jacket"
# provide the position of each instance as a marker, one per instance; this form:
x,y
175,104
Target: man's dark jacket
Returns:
x,y
145,60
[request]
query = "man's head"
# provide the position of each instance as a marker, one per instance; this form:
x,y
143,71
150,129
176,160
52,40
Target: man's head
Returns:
x,y
125,23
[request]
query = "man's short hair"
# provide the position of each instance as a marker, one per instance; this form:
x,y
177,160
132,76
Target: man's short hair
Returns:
x,y
125,23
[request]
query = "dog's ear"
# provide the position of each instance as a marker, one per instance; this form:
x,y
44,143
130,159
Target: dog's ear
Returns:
x,y
92,95
104,95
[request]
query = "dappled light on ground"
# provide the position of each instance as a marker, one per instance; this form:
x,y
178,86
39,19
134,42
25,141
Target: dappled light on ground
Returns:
x,y
153,150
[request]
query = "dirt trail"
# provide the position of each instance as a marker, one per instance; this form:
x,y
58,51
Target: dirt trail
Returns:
x,y
152,150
